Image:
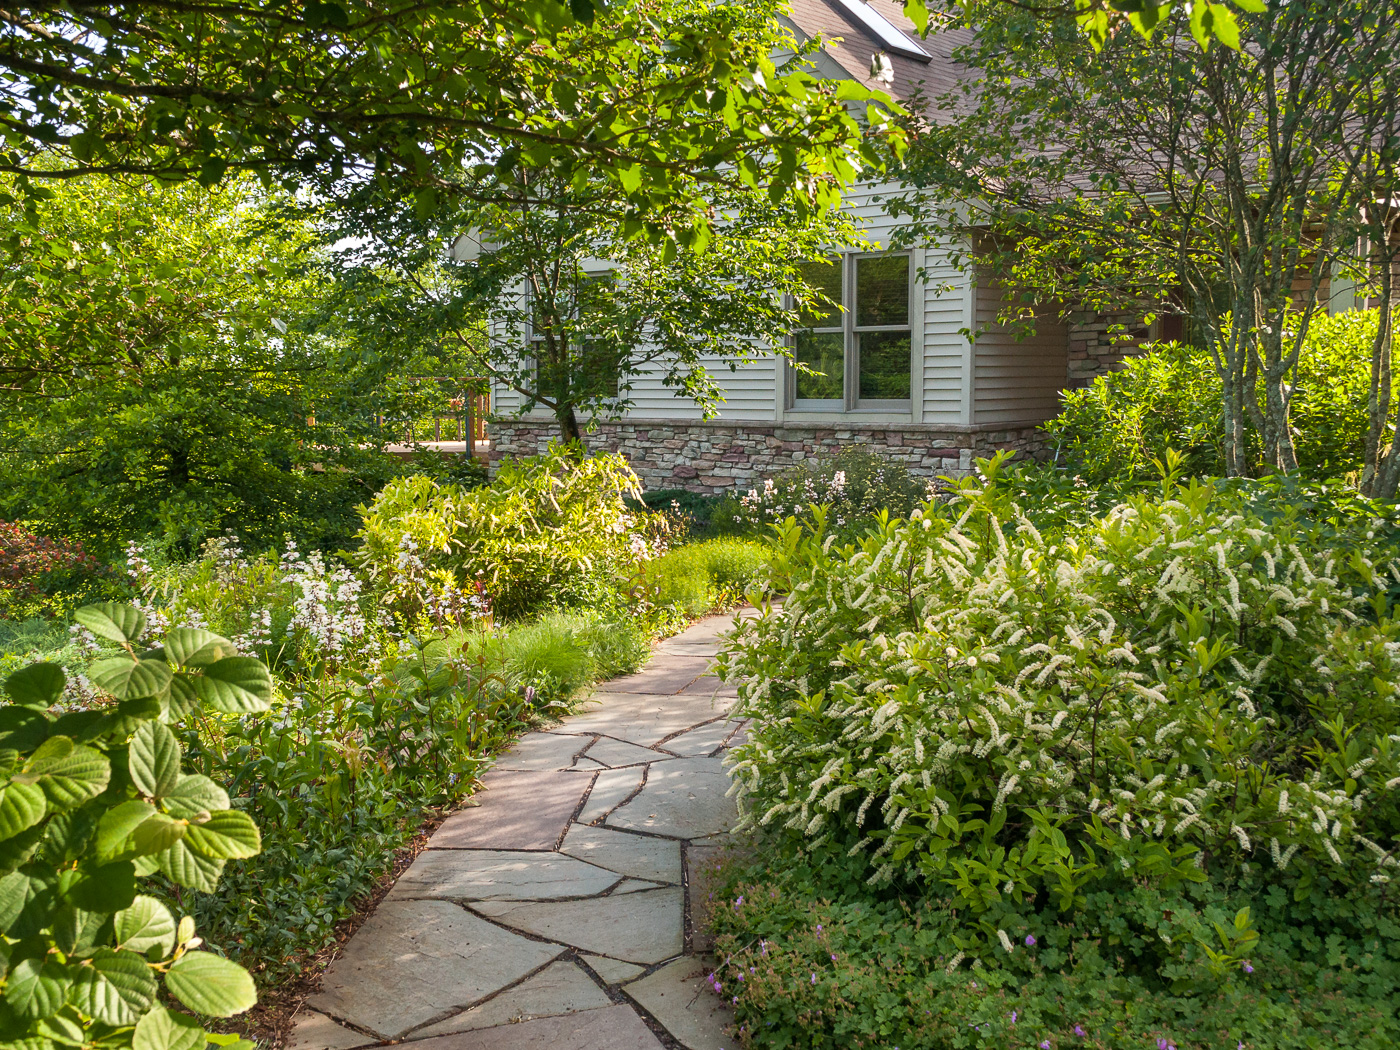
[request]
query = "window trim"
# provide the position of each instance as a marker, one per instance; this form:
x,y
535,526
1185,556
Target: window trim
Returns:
x,y
851,401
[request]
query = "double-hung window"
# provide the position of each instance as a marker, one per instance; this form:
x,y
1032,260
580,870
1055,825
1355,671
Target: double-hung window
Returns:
x,y
860,356
592,368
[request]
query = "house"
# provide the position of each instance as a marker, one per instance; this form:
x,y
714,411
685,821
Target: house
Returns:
x,y
901,372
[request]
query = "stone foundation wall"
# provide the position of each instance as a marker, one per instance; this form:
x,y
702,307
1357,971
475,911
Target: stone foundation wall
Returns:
x,y
721,456
1098,343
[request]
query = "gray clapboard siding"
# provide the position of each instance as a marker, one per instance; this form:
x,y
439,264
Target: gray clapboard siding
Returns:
x,y
1016,380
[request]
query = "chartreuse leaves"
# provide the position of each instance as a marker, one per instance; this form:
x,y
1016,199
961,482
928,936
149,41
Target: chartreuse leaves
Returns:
x,y
91,802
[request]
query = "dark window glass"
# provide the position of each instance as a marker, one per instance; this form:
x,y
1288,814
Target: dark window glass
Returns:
x,y
884,365
823,352
823,276
882,290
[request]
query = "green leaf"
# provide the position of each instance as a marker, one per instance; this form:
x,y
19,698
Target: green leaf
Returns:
x,y
116,623
106,889
225,835
163,1029
189,868
115,988
16,890
115,829
38,685
154,759
210,985
157,834
38,987
191,647
69,773
21,806
128,679
181,699
193,795
235,685
145,925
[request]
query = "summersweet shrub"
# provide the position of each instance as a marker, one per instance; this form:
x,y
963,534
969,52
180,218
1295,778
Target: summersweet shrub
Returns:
x,y
856,484
1111,431
1178,693
91,801
549,530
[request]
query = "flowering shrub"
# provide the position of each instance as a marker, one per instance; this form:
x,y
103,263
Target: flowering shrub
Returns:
x,y
856,484
550,529
1178,700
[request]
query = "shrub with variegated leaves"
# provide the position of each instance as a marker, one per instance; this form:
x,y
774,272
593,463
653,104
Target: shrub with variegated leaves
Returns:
x,y
1178,692
91,801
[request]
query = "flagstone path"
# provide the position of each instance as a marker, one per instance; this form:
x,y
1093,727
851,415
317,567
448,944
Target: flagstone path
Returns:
x,y
560,912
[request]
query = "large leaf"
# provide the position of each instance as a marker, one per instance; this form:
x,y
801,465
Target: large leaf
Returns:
x,y
107,889
193,795
69,773
128,679
116,623
154,759
163,1029
23,729
115,829
210,985
226,835
189,868
38,685
181,699
235,685
158,833
38,987
191,647
145,925
115,987
16,890
21,806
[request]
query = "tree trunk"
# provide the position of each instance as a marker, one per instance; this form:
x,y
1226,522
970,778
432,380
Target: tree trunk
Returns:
x,y
569,428
1373,473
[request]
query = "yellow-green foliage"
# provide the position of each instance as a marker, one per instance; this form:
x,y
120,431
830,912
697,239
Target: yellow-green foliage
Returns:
x,y
699,577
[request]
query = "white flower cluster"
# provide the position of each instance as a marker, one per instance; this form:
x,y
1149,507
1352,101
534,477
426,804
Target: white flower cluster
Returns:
x,y
327,609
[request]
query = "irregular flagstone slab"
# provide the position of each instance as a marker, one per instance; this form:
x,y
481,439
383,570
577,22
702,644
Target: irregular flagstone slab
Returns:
x,y
703,740
637,927
611,788
612,970
647,720
676,996
635,886
560,988
639,856
665,673
535,751
683,798
500,875
615,1028
414,960
712,685
618,753
588,764
313,1031
519,810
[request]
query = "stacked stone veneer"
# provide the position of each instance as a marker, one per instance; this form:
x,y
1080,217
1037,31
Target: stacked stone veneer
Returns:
x,y
1098,343
720,456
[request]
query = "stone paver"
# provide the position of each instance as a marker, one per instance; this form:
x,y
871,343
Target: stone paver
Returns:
x,y
561,884
677,996
560,988
414,960
500,875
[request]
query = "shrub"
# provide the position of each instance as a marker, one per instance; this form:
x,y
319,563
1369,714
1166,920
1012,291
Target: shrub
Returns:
x,y
1112,431
1182,702
856,484
91,801
44,576
549,530
698,578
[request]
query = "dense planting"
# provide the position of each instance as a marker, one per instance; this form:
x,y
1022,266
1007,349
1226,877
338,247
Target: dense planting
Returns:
x,y
1161,746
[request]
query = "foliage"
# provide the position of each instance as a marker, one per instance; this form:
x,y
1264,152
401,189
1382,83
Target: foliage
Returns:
x,y
548,530
94,799
412,94
171,372
1183,695
700,578
855,483
36,570
1118,429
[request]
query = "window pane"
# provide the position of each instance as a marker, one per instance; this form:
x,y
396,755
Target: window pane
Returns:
x,y
825,277
884,366
551,377
882,290
824,353
598,370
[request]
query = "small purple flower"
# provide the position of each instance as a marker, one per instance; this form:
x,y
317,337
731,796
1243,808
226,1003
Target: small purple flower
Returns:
x,y
1045,1044
1013,1016
1079,1031
833,958
529,694
1247,968
819,927
814,978
1030,940
739,903
736,998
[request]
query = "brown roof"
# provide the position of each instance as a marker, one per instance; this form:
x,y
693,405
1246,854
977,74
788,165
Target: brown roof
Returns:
x,y
851,44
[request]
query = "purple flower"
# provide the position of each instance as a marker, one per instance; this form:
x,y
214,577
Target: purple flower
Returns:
x,y
1030,940
739,903
1079,1030
1045,1044
1247,967
833,958
814,978
819,927
529,694
1013,1016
